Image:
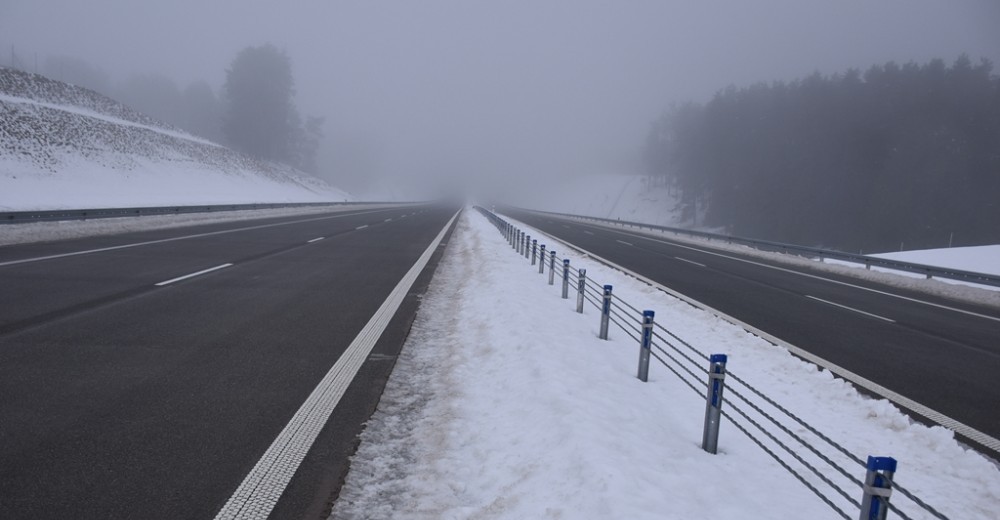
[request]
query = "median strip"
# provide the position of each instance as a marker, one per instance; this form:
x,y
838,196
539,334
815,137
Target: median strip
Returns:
x,y
192,275
689,261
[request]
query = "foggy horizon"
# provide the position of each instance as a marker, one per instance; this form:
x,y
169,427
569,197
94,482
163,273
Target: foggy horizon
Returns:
x,y
451,93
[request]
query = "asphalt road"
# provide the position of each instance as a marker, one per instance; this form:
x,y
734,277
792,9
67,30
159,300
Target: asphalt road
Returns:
x,y
940,353
129,391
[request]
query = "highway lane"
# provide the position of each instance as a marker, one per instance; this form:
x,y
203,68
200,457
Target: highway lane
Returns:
x,y
130,261
938,352
157,401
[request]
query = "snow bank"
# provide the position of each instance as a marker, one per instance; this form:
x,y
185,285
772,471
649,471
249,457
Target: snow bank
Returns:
x,y
978,259
504,404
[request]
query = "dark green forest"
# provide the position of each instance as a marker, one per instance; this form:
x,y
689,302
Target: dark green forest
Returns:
x,y
899,156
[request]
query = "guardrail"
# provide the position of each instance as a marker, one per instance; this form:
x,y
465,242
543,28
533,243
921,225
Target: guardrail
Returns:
x,y
814,458
21,217
929,271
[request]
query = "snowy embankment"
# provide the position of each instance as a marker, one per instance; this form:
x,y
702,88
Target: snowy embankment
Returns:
x,y
636,198
504,404
63,146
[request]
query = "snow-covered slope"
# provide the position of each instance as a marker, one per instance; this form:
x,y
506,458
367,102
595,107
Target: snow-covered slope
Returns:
x,y
627,197
64,146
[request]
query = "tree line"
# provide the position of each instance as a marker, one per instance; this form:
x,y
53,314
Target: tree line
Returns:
x,y
253,112
900,156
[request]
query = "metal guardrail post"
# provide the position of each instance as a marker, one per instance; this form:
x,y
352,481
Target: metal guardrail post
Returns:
x,y
552,267
527,246
645,344
605,313
541,259
534,251
565,288
581,286
877,488
713,402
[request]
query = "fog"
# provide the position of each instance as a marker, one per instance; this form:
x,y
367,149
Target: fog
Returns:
x,y
492,94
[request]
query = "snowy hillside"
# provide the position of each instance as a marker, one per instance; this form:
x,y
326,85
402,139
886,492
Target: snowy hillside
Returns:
x,y
64,146
625,197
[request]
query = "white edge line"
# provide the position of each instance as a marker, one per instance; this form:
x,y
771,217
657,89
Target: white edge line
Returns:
x,y
845,307
690,261
260,491
903,401
192,275
317,239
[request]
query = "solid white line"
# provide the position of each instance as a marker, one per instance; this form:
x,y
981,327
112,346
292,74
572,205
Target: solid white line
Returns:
x,y
623,242
317,239
850,308
587,232
185,237
192,275
361,227
934,415
257,495
807,275
689,261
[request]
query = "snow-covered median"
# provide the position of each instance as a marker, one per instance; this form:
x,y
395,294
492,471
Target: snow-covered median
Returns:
x,y
504,404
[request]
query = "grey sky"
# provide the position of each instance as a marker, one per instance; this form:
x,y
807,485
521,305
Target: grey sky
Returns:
x,y
441,90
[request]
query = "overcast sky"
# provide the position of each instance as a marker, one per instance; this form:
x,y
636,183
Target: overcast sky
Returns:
x,y
506,89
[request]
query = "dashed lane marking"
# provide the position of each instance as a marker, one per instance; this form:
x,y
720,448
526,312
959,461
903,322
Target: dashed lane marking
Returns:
x,y
192,275
689,261
845,307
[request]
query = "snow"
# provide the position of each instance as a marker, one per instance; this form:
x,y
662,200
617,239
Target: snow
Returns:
x,y
63,147
636,198
109,119
504,404
81,183
978,259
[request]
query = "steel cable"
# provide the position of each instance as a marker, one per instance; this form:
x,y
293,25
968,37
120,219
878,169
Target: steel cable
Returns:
x,y
801,441
679,351
795,455
670,368
795,418
774,456
697,377
911,496
680,340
